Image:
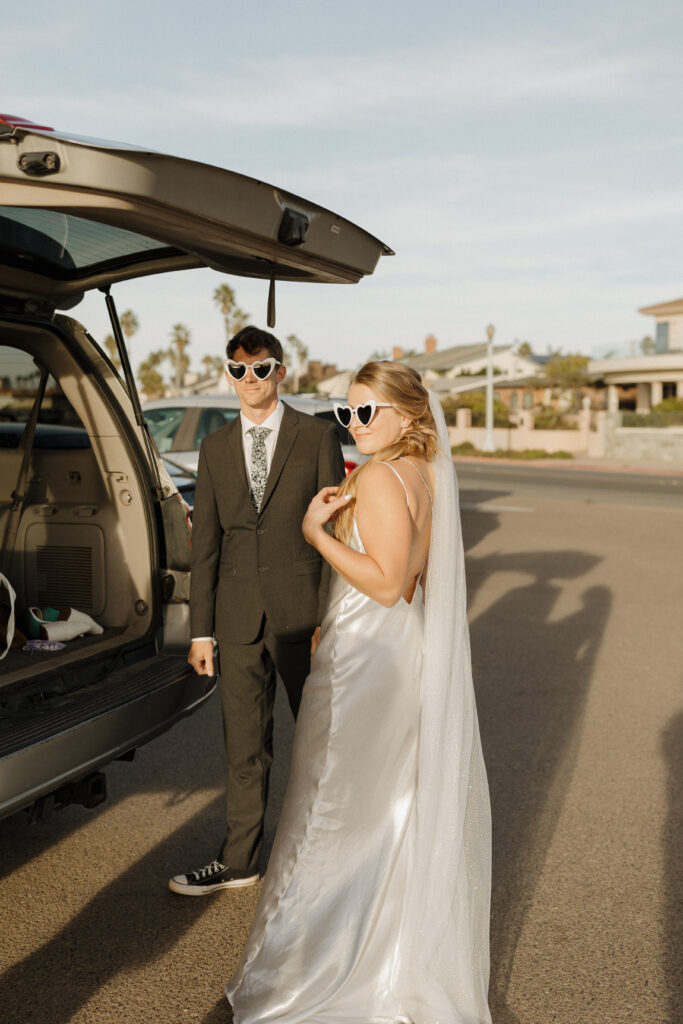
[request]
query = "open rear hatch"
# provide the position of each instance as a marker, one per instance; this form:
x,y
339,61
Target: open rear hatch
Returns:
x,y
79,213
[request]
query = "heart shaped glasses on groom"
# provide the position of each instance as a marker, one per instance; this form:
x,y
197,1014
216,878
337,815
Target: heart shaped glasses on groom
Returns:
x,y
363,413
261,370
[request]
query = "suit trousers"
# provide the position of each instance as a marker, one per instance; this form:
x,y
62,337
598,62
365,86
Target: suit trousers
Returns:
x,y
247,689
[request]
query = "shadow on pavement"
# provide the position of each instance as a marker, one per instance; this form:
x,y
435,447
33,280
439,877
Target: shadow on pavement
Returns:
x,y
160,764
221,1013
672,743
476,525
532,673
128,922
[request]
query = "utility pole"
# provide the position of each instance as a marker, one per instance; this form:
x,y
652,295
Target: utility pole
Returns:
x,y
488,440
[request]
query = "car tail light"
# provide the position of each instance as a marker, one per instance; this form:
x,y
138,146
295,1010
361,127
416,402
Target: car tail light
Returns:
x,y
22,122
349,466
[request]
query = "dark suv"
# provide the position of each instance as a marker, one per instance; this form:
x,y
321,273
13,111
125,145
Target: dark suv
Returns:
x,y
89,518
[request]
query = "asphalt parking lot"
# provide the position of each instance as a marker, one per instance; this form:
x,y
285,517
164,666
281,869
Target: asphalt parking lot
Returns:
x,y
575,612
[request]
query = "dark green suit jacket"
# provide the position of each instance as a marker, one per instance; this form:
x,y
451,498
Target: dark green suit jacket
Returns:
x,y
246,563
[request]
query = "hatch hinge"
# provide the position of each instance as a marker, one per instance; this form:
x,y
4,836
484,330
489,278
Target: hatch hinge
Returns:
x,y
37,165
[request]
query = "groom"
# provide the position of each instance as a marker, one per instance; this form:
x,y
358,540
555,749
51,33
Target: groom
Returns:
x,y
257,587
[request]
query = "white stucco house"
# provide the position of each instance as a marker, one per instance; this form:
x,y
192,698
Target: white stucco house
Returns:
x,y
650,378
455,369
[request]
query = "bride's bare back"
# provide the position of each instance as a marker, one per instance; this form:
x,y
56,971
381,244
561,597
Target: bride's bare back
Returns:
x,y
393,515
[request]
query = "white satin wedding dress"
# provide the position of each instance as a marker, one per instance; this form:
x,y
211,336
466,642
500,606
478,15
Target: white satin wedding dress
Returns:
x,y
364,917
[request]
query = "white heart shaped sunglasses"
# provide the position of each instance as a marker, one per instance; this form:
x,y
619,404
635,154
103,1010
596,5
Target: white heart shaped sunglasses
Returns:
x,y
261,370
364,413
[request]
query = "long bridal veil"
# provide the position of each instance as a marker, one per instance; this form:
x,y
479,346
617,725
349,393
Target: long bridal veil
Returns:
x,y
444,968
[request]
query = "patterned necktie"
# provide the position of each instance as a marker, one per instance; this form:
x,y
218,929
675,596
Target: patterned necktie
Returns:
x,y
259,464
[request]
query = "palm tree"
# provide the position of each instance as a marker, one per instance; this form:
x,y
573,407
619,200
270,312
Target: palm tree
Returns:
x,y
151,381
296,354
129,323
234,318
213,365
110,345
176,354
129,326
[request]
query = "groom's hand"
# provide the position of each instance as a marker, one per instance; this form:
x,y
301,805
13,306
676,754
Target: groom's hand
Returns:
x,y
201,657
315,640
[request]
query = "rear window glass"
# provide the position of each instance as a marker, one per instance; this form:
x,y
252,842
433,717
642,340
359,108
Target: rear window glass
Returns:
x,y
58,425
211,420
163,425
68,244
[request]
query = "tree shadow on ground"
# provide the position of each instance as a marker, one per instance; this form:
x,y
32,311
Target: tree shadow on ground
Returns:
x,y
129,922
673,862
220,1014
476,526
532,672
169,764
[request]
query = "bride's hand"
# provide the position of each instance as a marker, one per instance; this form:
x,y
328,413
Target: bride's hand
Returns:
x,y
321,509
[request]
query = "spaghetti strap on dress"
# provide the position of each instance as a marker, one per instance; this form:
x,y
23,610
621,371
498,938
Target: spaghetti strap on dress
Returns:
x,y
402,481
403,458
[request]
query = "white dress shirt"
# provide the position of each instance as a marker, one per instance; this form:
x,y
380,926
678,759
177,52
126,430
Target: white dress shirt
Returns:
x,y
273,424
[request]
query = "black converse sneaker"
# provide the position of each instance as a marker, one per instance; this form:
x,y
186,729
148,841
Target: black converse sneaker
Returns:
x,y
211,878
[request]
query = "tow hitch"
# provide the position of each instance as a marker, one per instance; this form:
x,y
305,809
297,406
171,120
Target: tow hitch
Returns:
x,y
88,792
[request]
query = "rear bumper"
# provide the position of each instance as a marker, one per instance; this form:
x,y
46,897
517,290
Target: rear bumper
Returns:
x,y
44,748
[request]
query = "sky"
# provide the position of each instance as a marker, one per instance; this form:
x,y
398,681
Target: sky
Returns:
x,y
523,160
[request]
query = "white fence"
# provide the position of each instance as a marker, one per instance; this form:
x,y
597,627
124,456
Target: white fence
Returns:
x,y
598,434
582,441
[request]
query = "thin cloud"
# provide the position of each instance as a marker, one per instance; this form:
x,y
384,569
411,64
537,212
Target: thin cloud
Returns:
x,y
277,94
341,90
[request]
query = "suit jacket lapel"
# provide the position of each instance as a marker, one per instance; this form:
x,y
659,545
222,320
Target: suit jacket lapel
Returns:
x,y
289,428
237,450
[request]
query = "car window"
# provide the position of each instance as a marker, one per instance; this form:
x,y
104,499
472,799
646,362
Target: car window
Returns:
x,y
211,420
163,425
68,243
342,433
58,425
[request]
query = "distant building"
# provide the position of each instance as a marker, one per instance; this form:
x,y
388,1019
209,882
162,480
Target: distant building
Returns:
x,y
668,325
641,382
451,371
336,386
317,371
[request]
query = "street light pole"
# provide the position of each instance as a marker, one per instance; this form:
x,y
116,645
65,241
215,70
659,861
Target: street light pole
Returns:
x,y
488,440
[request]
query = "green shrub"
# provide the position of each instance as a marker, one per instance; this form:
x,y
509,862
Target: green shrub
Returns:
x,y
526,455
548,418
657,418
476,401
466,448
669,405
535,453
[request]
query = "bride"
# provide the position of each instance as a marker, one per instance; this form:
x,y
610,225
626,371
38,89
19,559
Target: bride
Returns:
x,y
375,904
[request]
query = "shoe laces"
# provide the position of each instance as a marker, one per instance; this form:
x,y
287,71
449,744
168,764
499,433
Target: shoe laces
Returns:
x,y
208,870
